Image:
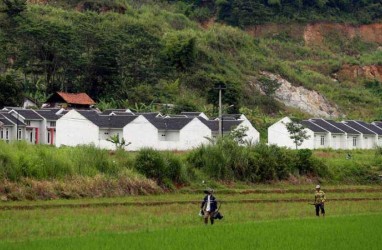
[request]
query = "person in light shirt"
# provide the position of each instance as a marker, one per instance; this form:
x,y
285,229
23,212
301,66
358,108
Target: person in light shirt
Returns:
x,y
319,200
209,206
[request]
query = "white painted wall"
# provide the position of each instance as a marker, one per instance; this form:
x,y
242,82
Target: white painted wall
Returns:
x,y
193,135
279,135
253,136
141,133
74,129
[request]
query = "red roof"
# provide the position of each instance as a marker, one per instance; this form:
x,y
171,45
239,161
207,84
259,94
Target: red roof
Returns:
x,y
78,98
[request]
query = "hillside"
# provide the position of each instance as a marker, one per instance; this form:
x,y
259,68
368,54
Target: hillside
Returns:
x,y
141,53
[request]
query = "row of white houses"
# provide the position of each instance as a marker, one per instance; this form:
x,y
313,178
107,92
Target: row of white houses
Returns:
x,y
178,132
90,127
325,133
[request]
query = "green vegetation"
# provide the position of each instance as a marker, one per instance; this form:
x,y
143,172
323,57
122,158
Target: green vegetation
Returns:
x,y
43,172
134,53
110,226
336,233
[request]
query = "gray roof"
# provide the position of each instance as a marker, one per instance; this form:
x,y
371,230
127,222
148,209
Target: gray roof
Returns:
x,y
107,121
109,111
5,121
227,126
14,120
358,127
170,123
29,114
310,125
378,124
344,127
48,114
191,114
371,127
327,126
149,115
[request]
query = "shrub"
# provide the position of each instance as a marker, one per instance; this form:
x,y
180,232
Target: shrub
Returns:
x,y
152,164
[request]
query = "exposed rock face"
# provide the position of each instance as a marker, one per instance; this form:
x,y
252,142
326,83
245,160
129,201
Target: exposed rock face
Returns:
x,y
349,72
306,100
314,34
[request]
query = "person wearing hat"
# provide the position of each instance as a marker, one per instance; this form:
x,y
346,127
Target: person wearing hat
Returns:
x,y
209,206
319,200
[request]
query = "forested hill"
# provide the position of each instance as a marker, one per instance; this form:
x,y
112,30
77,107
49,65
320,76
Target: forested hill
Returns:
x,y
130,53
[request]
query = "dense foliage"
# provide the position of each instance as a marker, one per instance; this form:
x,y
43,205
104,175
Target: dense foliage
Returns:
x,y
251,12
145,54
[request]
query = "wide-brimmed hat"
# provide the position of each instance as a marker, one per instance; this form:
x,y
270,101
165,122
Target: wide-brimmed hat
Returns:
x,y
318,186
208,191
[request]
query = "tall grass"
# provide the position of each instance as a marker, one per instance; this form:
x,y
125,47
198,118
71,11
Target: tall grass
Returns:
x,y
18,160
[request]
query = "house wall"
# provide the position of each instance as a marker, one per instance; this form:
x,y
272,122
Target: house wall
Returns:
x,y
317,140
105,134
141,133
368,141
338,141
253,136
350,144
279,135
74,129
193,135
168,135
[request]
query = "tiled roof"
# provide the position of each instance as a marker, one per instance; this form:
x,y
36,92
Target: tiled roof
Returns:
x,y
378,124
120,113
107,121
13,119
371,127
327,126
29,114
149,115
109,111
310,125
214,124
76,98
48,114
191,114
170,123
5,121
358,127
344,127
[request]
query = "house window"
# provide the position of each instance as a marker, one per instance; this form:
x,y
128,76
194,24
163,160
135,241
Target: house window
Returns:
x,y
48,137
19,134
52,124
334,136
354,141
322,140
31,136
365,137
28,123
1,134
6,134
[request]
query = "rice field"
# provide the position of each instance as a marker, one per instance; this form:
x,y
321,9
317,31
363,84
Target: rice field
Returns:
x,y
282,220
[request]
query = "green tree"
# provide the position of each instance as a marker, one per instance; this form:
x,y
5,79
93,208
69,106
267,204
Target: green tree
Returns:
x,y
11,90
297,133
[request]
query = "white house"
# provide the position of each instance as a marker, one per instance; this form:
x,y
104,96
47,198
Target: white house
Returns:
x,y
328,134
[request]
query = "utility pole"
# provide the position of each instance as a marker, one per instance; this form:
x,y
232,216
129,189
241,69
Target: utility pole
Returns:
x,y
220,87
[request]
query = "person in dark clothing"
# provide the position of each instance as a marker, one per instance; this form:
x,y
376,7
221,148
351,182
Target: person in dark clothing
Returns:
x,y
209,206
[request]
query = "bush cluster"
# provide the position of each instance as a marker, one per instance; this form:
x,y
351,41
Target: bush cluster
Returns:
x,y
164,167
260,163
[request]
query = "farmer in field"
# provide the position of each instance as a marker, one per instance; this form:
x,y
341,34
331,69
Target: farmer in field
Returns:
x,y
319,200
209,206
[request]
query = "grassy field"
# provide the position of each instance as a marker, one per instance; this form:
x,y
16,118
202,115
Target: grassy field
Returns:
x,y
288,224
348,232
